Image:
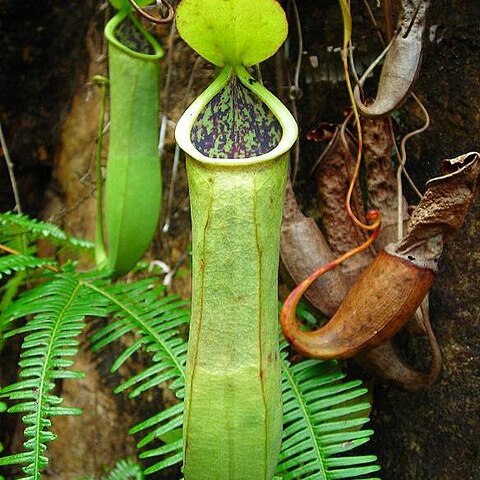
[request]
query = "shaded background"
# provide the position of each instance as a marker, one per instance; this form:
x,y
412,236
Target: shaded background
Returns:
x,y
49,52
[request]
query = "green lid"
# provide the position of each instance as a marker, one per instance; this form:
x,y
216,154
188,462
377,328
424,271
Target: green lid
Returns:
x,y
232,32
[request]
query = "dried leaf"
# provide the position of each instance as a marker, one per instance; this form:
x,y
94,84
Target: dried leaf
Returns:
x,y
380,178
441,211
402,62
303,249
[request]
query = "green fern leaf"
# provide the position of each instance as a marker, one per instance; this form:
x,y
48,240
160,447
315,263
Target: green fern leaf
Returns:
x,y
58,309
15,224
163,424
126,470
142,309
321,423
19,263
123,470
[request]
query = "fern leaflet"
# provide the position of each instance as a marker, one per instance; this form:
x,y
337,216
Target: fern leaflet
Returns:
x,y
143,309
14,224
123,470
19,263
126,470
59,308
321,423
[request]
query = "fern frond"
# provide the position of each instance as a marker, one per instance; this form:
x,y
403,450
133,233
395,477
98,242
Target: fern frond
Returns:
x,y
58,309
141,308
17,224
15,266
155,323
19,263
167,427
322,416
321,423
126,470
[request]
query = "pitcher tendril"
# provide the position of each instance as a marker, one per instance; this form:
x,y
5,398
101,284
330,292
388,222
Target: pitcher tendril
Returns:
x,y
158,20
377,218
288,319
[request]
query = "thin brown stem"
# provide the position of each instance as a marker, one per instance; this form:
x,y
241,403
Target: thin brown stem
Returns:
x,y
374,22
10,168
388,14
151,18
295,91
403,160
358,126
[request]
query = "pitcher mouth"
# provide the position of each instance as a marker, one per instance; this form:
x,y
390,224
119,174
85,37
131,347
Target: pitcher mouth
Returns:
x,y
242,147
136,41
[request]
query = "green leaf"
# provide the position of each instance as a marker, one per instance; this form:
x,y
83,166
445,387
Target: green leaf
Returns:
x,y
14,224
144,309
234,32
19,263
320,425
347,20
126,470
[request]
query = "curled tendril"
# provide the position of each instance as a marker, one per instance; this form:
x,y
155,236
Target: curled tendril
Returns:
x,y
288,318
158,20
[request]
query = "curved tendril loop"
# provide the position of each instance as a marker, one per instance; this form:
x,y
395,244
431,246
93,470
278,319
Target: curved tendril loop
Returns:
x,y
287,317
151,18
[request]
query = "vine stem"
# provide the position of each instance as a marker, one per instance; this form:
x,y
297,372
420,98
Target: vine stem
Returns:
x,y
100,250
402,159
388,14
345,5
294,89
10,166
